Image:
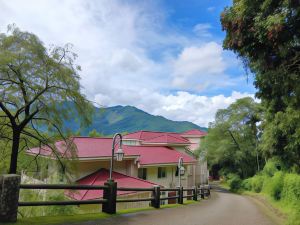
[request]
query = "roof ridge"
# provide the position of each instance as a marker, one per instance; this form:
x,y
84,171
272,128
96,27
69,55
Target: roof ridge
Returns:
x,y
180,138
91,137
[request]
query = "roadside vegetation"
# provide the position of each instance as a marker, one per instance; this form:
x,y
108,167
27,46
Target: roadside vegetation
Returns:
x,y
255,145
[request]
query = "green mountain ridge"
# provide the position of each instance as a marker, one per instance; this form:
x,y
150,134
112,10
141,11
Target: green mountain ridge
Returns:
x,y
110,120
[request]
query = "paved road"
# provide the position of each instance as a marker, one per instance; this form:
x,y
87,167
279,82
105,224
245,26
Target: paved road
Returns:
x,y
221,209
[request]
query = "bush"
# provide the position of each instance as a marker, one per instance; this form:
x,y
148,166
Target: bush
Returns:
x,y
257,183
272,166
291,189
246,184
273,186
234,182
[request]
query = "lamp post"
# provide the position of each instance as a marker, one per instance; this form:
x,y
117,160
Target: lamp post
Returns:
x,y
181,170
119,154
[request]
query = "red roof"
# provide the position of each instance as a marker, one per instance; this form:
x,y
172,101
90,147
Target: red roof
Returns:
x,y
89,147
157,137
195,132
158,155
100,177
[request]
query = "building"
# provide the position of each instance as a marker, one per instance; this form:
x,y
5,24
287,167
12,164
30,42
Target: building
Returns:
x,y
151,158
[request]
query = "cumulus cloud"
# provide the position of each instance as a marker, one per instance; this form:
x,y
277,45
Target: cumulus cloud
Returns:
x,y
181,106
128,54
201,67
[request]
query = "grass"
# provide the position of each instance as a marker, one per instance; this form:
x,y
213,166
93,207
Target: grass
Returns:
x,y
51,220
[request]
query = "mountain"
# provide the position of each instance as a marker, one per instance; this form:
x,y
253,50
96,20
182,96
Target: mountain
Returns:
x,y
110,120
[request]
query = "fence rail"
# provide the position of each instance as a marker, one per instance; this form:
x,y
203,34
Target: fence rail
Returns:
x,y
47,203
62,186
110,194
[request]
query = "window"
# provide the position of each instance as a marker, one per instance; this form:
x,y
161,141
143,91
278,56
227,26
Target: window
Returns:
x,y
161,172
142,173
177,171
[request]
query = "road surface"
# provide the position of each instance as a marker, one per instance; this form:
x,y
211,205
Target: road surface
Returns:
x,y
222,208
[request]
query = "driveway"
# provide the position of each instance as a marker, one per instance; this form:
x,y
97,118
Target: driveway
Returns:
x,y
222,208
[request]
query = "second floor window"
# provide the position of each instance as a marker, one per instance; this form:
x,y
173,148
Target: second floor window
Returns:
x,y
161,172
142,173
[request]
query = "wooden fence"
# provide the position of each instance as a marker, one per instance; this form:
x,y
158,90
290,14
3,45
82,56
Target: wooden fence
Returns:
x,y
110,200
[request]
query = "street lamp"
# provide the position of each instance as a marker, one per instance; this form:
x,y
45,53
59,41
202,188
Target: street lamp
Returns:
x,y
119,154
181,170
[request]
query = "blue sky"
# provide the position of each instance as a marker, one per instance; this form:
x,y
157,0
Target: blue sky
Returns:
x,y
162,56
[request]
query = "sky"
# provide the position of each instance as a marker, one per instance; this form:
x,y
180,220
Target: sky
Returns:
x,y
162,56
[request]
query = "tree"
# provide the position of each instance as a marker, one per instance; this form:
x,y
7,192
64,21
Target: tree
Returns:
x,y
94,133
265,34
35,83
231,143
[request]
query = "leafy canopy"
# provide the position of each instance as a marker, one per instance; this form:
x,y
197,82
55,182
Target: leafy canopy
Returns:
x,y
265,34
232,138
34,83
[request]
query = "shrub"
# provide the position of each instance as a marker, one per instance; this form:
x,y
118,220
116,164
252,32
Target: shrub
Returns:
x,y
246,184
234,181
272,166
273,186
257,183
291,189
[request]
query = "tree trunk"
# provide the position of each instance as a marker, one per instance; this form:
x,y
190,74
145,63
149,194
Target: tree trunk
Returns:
x,y
14,152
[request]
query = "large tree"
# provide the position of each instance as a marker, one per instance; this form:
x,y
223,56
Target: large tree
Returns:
x,y
35,83
265,34
232,138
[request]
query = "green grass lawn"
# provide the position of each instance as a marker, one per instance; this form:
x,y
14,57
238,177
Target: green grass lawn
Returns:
x,y
47,220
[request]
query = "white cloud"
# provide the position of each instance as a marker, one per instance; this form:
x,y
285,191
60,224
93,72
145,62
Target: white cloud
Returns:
x,y
211,9
202,29
118,44
181,106
199,68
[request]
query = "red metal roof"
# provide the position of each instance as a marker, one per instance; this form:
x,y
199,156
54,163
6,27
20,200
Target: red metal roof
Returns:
x,y
194,132
158,155
88,147
157,137
100,177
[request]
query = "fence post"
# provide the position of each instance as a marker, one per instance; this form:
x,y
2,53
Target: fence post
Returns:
x,y
110,194
195,194
208,191
156,197
202,192
180,195
9,197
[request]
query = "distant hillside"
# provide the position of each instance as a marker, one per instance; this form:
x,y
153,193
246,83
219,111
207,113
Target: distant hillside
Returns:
x,y
129,119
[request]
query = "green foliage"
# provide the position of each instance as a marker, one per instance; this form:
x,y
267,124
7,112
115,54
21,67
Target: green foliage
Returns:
x,y
291,190
273,186
247,184
44,195
94,133
281,137
265,35
232,138
272,166
34,83
234,182
257,183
